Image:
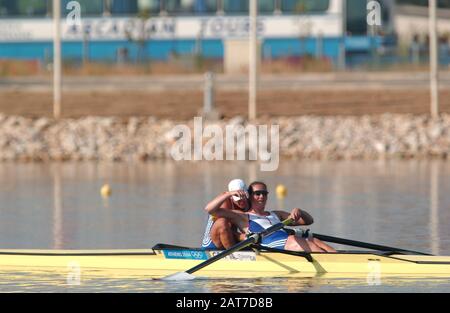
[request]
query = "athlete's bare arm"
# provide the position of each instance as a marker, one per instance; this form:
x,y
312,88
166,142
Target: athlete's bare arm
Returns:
x,y
300,217
237,218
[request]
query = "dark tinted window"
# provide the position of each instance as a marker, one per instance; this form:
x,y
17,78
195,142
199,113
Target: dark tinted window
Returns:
x,y
205,6
128,7
304,6
17,8
189,7
266,6
235,6
441,3
88,7
242,7
356,17
179,6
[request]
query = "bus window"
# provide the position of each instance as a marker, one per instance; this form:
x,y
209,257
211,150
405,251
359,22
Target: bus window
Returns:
x,y
88,7
235,7
12,8
189,7
304,6
121,7
242,7
8,8
206,6
387,18
176,7
152,7
356,17
443,4
266,6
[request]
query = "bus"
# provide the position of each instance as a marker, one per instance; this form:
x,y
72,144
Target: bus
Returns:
x,y
158,29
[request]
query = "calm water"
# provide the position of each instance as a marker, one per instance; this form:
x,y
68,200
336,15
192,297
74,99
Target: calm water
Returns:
x,y
401,203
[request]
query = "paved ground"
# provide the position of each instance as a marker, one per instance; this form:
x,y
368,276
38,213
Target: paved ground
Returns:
x,y
182,97
186,104
304,81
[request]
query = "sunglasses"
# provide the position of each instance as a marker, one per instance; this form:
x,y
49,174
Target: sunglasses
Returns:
x,y
260,192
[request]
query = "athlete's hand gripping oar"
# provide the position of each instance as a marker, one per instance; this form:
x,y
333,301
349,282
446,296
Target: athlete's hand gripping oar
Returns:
x,y
252,239
365,245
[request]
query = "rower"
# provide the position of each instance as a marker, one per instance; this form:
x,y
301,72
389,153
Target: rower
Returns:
x,y
220,233
257,219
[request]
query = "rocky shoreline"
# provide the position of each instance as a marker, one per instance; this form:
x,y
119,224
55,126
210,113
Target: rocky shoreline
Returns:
x,y
147,138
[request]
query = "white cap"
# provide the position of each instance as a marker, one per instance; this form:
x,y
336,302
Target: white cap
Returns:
x,y
237,184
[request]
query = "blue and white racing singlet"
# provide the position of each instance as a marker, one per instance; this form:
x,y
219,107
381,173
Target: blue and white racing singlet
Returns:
x,y
258,223
207,241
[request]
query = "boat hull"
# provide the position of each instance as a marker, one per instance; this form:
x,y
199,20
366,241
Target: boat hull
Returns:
x,y
244,264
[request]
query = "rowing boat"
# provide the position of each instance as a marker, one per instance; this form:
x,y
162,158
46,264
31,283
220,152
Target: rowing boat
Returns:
x,y
164,259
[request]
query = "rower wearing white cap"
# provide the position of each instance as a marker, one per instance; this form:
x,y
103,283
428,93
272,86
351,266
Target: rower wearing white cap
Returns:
x,y
257,219
220,233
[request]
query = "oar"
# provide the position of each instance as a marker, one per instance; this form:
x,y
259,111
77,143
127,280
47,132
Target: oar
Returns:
x,y
252,239
366,245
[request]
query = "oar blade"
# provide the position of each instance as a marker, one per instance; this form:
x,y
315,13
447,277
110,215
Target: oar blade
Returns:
x,y
180,276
